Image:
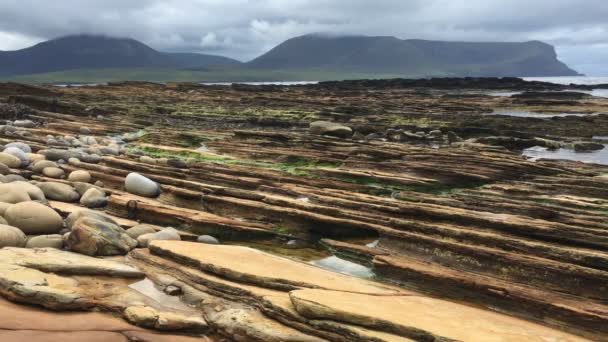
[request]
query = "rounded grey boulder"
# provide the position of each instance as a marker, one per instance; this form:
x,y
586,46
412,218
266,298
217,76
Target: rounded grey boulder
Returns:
x,y
22,146
142,186
165,234
59,192
33,218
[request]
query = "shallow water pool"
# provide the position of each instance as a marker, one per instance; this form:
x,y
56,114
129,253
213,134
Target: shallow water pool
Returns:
x,y
596,157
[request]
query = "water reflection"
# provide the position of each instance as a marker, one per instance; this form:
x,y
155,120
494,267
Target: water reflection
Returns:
x,y
595,157
335,264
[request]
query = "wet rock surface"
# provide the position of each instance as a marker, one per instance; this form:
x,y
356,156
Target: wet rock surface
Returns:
x,y
422,222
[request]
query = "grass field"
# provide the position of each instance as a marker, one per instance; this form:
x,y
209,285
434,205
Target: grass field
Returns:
x,y
180,75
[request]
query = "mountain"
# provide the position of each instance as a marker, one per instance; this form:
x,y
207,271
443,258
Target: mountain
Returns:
x,y
413,57
96,52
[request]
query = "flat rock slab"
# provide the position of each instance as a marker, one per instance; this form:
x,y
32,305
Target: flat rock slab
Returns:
x,y
54,260
243,264
420,317
25,323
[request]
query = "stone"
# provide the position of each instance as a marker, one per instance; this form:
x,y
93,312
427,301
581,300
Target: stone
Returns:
x,y
11,236
10,160
59,192
94,198
208,239
4,170
34,192
17,152
94,237
141,229
22,146
147,160
78,214
80,176
24,123
91,158
453,138
33,218
587,146
53,172
45,241
9,193
142,186
166,234
148,317
330,128
41,165
34,157
13,178
84,130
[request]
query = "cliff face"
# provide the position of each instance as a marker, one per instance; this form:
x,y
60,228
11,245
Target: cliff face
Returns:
x,y
421,57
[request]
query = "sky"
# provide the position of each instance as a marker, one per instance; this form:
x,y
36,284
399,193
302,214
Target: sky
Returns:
x,y
244,29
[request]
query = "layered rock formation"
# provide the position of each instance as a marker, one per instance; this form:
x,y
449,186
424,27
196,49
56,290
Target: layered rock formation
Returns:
x,y
465,238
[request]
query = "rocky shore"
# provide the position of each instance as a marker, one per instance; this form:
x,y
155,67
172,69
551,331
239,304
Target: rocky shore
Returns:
x,y
350,211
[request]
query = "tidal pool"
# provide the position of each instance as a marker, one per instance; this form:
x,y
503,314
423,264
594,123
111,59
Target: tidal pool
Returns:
x,y
526,114
596,157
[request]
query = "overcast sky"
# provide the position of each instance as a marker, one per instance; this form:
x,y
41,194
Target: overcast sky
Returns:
x,y
243,29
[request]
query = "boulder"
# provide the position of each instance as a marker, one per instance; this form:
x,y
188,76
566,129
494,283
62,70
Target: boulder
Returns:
x,y
140,229
59,192
164,235
147,160
41,165
45,241
95,237
330,128
53,172
9,193
34,157
78,214
208,239
4,170
94,198
33,218
3,207
10,160
11,236
80,176
587,146
33,191
14,151
24,123
22,146
142,186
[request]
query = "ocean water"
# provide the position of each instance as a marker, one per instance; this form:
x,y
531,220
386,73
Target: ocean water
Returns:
x,y
596,157
526,114
262,83
585,80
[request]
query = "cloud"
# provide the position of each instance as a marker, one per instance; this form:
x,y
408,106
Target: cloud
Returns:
x,y
246,28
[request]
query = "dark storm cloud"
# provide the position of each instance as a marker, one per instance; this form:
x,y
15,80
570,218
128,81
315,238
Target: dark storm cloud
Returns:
x,y
246,28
